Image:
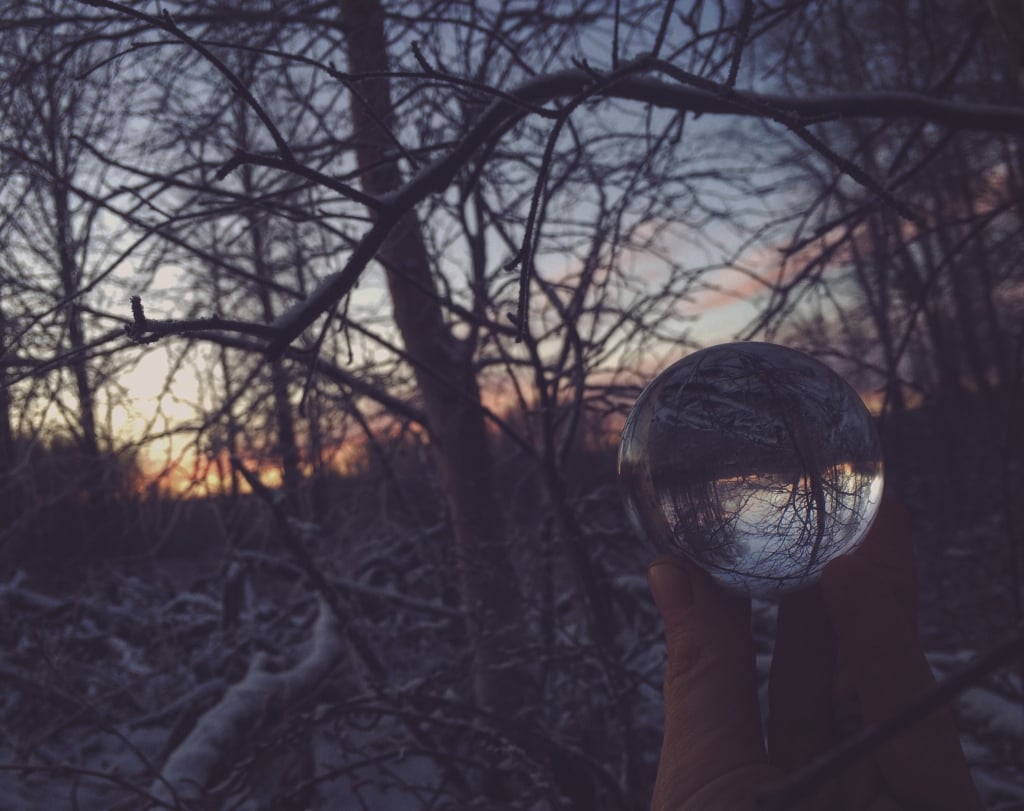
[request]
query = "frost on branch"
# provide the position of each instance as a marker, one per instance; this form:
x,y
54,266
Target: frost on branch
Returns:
x,y
222,732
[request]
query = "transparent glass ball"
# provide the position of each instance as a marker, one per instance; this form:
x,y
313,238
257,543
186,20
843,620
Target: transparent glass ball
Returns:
x,y
756,461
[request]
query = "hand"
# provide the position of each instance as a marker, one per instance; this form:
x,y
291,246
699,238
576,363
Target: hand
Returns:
x,y
847,654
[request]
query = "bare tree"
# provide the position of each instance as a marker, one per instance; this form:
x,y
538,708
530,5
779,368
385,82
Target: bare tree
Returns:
x,y
922,311
545,193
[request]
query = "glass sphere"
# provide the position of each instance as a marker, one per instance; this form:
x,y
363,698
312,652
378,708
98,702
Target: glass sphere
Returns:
x,y
756,461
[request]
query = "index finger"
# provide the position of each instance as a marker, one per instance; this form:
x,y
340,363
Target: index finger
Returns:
x,y
712,755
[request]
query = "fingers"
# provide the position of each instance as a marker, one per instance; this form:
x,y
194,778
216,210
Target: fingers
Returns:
x,y
800,693
871,600
800,685
712,725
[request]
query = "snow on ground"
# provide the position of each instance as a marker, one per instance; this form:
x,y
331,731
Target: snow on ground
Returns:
x,y
110,698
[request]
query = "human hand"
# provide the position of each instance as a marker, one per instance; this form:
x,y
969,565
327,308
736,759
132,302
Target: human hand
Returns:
x,y
847,655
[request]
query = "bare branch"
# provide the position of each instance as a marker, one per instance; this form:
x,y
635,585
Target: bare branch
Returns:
x,y
712,99
166,22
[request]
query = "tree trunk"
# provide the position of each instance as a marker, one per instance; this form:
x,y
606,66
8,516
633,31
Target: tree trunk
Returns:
x,y
69,277
287,444
53,124
447,383
6,428
8,502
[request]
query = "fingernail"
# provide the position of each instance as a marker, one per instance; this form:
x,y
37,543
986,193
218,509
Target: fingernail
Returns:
x,y
670,586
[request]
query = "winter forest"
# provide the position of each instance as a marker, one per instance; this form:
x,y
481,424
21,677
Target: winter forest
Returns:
x,y
319,322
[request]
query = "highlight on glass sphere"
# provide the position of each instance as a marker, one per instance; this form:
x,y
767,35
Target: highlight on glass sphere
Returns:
x,y
756,461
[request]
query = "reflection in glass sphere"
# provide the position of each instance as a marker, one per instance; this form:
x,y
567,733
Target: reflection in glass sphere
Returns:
x,y
756,461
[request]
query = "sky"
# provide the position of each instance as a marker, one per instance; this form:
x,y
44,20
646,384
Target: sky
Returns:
x,y
146,403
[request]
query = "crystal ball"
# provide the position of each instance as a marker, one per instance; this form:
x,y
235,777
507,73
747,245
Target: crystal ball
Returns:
x,y
755,461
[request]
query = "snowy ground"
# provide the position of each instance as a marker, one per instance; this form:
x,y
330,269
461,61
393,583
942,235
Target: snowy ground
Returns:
x,y
124,694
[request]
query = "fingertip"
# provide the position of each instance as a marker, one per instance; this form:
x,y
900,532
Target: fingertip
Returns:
x,y
700,620
695,609
671,586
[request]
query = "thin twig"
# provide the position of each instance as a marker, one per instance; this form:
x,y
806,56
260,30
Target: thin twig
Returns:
x,y
111,776
312,365
166,22
148,330
237,83
368,108
345,77
666,18
309,567
421,60
243,156
797,127
742,33
708,98
525,257
615,33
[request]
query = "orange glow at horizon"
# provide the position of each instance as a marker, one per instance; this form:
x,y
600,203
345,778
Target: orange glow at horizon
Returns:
x,y
188,473
190,476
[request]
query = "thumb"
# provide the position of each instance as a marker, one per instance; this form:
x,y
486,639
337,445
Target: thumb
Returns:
x,y
712,723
